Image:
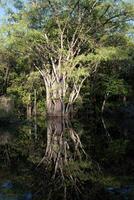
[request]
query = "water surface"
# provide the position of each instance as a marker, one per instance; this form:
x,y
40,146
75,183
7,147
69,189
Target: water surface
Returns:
x,y
59,159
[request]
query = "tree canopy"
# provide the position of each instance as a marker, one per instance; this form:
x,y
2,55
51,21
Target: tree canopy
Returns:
x,y
60,47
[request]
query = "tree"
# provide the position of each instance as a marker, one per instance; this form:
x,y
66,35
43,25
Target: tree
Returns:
x,y
63,40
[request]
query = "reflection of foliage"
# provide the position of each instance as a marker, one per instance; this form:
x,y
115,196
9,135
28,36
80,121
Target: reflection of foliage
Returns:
x,y
65,158
25,152
80,170
115,155
82,177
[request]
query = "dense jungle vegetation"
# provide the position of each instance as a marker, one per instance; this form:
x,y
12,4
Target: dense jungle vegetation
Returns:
x,y
66,99
58,57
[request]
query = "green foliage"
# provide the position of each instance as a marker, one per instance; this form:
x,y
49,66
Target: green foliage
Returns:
x,y
116,86
31,36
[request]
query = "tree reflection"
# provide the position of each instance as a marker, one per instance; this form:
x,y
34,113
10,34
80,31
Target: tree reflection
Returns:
x,y
65,159
64,169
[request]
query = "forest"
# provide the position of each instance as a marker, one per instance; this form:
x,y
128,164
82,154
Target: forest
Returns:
x,y
67,99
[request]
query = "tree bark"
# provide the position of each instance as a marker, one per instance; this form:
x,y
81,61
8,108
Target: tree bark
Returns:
x,y
54,101
29,108
6,80
55,108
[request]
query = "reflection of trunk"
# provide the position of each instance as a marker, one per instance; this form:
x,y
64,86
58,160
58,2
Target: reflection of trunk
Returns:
x,y
106,130
63,146
104,103
65,162
54,131
124,100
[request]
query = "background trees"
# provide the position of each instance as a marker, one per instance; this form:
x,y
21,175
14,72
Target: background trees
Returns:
x,y
65,43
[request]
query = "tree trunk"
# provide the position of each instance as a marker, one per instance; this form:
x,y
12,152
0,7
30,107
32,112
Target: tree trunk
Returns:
x,y
29,108
58,107
35,103
55,108
54,102
6,80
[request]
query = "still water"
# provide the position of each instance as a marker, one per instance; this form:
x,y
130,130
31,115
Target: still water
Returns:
x,y
57,159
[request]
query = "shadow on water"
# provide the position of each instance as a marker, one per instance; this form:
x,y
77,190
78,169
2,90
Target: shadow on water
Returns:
x,y
59,159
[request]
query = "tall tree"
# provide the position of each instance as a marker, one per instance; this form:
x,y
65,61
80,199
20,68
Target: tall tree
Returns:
x,y
63,40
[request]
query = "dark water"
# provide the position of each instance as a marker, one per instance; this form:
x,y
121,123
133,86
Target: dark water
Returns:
x,y
58,159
